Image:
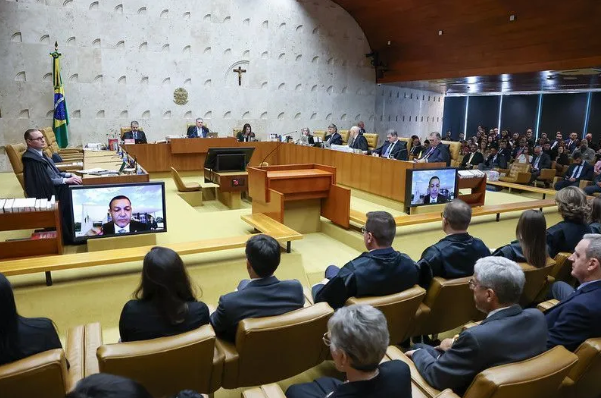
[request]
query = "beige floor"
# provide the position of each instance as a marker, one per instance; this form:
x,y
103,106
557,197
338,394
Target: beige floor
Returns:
x,y
97,294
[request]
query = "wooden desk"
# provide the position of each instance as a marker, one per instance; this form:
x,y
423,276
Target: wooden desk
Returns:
x,y
108,160
200,145
231,185
477,185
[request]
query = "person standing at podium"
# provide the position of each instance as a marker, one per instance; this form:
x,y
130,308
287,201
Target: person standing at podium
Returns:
x,y
198,131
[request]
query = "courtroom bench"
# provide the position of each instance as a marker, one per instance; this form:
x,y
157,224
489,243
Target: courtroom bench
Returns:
x,y
267,225
522,187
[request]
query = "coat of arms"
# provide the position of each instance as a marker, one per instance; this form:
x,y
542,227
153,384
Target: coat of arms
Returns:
x,y
180,96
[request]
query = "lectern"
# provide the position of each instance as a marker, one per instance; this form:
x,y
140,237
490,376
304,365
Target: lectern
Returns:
x,y
290,194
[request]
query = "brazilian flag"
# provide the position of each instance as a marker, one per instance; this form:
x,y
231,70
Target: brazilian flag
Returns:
x,y
61,116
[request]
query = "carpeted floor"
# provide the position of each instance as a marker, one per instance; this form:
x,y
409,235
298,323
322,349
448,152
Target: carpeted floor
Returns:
x,y
97,294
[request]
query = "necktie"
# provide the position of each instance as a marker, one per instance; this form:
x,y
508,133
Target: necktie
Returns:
x,y
471,157
135,135
122,231
536,162
429,153
576,172
388,150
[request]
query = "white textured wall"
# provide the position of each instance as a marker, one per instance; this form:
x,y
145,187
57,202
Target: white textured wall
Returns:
x,y
122,60
408,111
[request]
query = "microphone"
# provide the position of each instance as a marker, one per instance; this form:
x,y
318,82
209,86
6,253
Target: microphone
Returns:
x,y
276,147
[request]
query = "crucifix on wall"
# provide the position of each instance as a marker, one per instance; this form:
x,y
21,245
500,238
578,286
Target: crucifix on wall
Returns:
x,y
240,71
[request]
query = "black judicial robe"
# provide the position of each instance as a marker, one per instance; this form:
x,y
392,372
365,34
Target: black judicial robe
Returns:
x,y
564,236
512,251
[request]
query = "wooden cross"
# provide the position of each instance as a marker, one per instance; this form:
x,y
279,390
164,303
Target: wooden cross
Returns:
x,y
240,71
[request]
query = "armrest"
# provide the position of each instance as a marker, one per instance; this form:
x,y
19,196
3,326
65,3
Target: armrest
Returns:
x,y
266,391
545,305
448,393
218,361
557,179
547,174
75,354
395,354
523,177
584,183
70,150
308,296
92,340
230,362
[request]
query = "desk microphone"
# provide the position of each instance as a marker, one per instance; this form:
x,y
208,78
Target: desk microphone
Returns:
x,y
276,147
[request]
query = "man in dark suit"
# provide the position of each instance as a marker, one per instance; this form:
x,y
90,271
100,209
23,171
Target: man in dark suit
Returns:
x,y
472,159
508,334
594,187
378,272
357,140
504,150
392,148
455,255
198,131
572,143
433,194
333,137
120,210
264,295
438,152
517,151
493,161
558,140
540,161
577,171
135,134
577,317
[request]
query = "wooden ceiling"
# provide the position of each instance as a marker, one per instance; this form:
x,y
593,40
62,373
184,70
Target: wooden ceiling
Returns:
x,y
478,37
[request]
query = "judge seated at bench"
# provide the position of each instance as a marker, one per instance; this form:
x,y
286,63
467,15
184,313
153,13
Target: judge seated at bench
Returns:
x,y
357,140
246,135
438,152
198,131
135,134
392,148
120,210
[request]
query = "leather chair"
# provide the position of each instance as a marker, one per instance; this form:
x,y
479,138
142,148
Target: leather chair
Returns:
x,y
408,141
519,173
547,175
15,152
448,304
372,140
455,152
164,365
45,374
181,185
344,134
536,280
275,348
582,184
537,377
562,271
68,154
399,310
320,134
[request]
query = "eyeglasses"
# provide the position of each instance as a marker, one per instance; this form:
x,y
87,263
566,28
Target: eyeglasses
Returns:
x,y
326,339
473,284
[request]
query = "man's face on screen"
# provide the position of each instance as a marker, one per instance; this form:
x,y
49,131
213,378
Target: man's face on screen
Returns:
x,y
434,187
121,212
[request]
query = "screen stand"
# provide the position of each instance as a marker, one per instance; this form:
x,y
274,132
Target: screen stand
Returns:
x,y
427,209
121,242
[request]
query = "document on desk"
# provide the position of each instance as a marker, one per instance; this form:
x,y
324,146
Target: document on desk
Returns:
x,y
94,170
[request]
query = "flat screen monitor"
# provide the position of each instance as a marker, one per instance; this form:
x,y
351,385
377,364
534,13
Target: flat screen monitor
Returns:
x,y
118,210
430,186
228,162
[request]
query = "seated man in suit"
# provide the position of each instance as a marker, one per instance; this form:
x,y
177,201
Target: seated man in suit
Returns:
x,y
378,272
135,134
358,338
198,131
392,148
508,334
121,223
572,143
540,161
493,161
332,137
357,140
455,255
578,170
504,150
472,159
264,295
438,152
433,194
595,187
577,317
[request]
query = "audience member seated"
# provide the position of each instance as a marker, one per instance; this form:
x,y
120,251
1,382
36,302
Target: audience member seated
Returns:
x,y
356,140
508,334
416,147
246,135
572,143
332,136
573,208
104,385
540,161
529,138
595,187
378,272
562,160
518,150
164,303
358,338
493,161
504,150
392,148
472,159
198,131
577,316
525,156
438,152
263,295
588,155
595,220
558,141
22,337
135,134
579,170
530,245
455,255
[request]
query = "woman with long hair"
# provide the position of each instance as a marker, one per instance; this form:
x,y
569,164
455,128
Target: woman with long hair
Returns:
x,y
246,134
21,337
574,209
562,160
164,303
596,216
530,245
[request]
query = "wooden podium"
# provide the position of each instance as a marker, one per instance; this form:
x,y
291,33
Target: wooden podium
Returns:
x,y
276,190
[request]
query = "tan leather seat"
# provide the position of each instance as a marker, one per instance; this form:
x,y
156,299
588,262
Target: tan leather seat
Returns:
x,y
519,173
536,280
399,310
181,185
408,141
455,152
68,154
344,134
448,304
45,374
165,365
583,379
562,271
538,377
15,152
319,134
274,348
372,140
